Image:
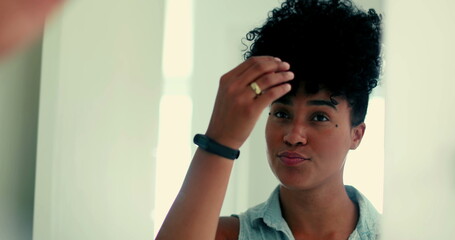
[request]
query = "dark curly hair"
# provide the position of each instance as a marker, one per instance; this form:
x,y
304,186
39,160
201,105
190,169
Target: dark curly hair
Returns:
x,y
331,45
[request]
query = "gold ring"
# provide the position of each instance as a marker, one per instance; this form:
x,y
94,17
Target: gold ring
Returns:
x,y
255,87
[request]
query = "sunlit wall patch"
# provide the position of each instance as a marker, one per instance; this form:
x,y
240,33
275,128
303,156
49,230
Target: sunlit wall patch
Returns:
x,y
176,107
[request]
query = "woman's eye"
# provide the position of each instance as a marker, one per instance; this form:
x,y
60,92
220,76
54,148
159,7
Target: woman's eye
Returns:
x,y
320,118
280,114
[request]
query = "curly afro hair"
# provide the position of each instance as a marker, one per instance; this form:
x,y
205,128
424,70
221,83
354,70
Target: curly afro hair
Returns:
x,y
331,45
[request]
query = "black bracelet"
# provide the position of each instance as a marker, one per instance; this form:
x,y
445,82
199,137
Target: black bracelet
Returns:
x,y
211,146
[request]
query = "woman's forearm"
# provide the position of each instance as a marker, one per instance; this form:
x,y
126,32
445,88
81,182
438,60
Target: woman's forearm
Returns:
x,y
195,212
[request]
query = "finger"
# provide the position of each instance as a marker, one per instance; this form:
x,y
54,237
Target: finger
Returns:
x,y
273,94
264,68
250,62
272,79
247,64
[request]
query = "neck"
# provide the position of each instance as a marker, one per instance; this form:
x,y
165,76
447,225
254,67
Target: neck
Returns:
x,y
320,213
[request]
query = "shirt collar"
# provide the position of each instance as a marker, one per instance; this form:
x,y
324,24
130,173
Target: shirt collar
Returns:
x,y
270,214
368,223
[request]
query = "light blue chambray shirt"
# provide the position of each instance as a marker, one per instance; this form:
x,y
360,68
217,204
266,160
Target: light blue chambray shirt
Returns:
x,y
265,221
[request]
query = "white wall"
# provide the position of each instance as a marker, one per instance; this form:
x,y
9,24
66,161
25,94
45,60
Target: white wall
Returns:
x,y
19,94
420,133
101,82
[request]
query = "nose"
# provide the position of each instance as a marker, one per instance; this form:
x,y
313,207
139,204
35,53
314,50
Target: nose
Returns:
x,y
296,136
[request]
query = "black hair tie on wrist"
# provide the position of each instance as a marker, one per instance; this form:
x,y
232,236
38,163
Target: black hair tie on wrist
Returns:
x,y
212,146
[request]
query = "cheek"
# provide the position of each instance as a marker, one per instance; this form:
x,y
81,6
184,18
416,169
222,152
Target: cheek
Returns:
x,y
270,133
334,143
269,136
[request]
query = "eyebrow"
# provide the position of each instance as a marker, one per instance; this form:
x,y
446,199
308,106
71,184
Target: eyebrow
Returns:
x,y
322,103
287,101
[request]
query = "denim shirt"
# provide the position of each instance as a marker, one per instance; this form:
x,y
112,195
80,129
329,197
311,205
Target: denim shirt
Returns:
x,y
265,220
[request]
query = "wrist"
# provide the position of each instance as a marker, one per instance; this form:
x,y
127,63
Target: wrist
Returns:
x,y
224,139
210,145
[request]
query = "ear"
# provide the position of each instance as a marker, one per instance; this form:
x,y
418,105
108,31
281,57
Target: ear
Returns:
x,y
357,135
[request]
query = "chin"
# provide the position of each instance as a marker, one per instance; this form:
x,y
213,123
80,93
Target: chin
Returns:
x,y
294,181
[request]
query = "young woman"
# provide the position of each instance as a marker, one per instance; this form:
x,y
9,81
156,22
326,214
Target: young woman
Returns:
x,y
313,64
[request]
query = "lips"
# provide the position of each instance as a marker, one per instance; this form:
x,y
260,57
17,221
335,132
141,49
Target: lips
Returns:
x,y
292,158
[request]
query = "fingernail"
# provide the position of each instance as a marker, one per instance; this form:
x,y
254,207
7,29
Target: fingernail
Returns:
x,y
290,75
287,86
286,65
279,60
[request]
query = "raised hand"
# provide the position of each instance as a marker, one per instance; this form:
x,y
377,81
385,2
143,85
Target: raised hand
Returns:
x,y
195,212
238,107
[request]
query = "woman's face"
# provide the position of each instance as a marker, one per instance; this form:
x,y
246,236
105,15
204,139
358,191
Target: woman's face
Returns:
x,y
308,138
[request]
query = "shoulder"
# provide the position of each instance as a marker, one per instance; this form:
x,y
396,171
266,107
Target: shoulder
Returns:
x,y
368,225
228,228
246,224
